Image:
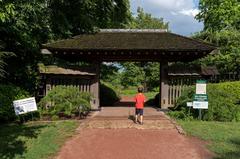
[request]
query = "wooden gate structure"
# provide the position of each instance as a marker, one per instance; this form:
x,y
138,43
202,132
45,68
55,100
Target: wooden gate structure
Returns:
x,y
111,45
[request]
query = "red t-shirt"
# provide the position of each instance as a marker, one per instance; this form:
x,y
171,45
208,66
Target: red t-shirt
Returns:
x,y
139,99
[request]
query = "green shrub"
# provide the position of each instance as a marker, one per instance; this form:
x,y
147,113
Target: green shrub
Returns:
x,y
181,114
9,93
65,101
108,94
224,102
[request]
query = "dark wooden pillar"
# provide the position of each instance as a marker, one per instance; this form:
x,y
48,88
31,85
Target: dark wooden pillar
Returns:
x,y
95,87
164,85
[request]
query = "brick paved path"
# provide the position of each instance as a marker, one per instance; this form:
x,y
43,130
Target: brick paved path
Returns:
x,y
111,134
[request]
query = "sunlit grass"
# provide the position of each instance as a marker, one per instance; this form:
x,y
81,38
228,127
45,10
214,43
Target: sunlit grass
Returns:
x,y
131,92
223,137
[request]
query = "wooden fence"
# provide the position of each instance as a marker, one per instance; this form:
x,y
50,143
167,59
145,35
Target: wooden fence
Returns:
x,y
178,84
176,87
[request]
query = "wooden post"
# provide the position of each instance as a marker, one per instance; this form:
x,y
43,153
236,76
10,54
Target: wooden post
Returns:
x,y
48,86
164,85
95,87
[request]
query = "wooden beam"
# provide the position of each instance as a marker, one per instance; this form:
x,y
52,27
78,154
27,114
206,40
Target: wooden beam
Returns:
x,y
95,87
164,87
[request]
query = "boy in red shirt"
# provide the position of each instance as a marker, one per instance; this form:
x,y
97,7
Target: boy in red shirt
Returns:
x,y
139,99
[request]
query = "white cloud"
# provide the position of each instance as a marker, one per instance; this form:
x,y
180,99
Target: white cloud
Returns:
x,y
179,13
171,4
190,12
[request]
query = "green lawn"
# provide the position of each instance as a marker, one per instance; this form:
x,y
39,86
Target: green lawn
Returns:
x,y
34,140
223,137
132,92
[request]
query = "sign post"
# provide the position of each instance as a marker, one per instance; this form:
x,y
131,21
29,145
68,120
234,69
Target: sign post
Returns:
x,y
24,106
189,105
200,100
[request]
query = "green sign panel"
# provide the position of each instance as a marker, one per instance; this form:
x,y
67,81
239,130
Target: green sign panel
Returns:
x,y
201,81
200,97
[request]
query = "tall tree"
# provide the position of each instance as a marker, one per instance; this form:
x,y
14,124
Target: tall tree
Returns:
x,y
147,21
219,14
145,73
221,27
26,24
71,17
6,12
24,28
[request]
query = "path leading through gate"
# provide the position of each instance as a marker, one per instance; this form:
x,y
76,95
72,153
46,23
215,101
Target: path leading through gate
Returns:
x,y
111,134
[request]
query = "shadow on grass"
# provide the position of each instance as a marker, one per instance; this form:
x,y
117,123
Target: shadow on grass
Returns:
x,y
235,154
13,139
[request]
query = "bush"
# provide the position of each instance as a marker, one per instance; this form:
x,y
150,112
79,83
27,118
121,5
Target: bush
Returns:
x,y
9,93
63,101
108,94
224,102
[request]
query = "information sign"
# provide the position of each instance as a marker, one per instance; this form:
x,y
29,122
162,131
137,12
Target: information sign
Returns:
x,y
25,105
189,104
200,101
201,87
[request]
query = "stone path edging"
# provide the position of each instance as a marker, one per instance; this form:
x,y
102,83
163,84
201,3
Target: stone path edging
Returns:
x,y
178,127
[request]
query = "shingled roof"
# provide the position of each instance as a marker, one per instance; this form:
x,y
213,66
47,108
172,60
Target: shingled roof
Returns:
x,y
56,70
176,70
130,40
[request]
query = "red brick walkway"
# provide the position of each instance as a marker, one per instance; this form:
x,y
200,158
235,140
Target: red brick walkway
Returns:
x,y
112,135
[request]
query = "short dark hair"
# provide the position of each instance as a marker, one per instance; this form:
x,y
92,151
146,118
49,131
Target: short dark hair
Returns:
x,y
140,89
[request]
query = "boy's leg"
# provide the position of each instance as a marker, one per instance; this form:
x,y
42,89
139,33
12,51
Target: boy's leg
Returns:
x,y
141,119
136,118
136,115
141,116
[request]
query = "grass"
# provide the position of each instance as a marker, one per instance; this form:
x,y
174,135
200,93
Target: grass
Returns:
x,y
223,137
34,140
132,92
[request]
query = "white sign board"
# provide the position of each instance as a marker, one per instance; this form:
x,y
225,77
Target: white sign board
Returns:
x,y
201,87
189,104
200,104
25,105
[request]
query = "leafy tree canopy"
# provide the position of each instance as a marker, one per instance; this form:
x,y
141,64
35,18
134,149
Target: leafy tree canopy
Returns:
x,y
219,14
221,27
143,73
26,24
71,17
147,21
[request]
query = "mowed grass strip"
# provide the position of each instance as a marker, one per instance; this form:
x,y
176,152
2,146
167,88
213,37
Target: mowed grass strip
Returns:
x,y
133,91
223,137
35,140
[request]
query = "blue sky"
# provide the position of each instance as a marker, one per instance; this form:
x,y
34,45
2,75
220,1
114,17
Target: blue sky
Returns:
x,y
179,13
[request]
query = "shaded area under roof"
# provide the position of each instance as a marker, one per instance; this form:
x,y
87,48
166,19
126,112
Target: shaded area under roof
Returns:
x,y
175,70
130,44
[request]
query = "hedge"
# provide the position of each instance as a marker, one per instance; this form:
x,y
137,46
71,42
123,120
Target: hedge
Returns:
x,y
108,94
224,103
